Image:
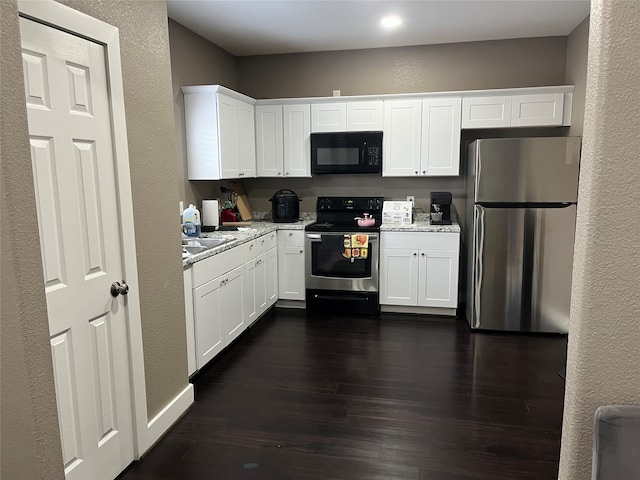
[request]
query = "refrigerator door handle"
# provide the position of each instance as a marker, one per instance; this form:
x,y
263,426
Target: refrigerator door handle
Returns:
x,y
479,251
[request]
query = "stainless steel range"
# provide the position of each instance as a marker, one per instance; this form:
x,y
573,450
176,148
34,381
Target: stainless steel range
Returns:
x,y
342,256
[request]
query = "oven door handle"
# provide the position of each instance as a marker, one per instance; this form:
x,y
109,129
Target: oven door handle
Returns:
x,y
314,236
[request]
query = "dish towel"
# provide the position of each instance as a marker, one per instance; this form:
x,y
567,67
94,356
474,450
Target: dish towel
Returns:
x,y
356,246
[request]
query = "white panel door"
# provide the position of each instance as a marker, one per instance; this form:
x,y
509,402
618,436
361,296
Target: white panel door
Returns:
x,y
329,117
363,116
537,110
261,283
269,141
272,276
228,136
297,143
247,139
207,312
401,140
232,302
74,170
486,112
398,276
291,273
441,136
438,282
250,301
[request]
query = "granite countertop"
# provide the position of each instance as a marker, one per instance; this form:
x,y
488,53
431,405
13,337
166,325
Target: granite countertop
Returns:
x,y
246,234
422,223
264,225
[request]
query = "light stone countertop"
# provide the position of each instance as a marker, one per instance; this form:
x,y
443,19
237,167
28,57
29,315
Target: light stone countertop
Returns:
x,y
258,228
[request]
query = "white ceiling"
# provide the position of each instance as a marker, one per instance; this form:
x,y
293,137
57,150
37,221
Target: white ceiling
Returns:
x,y
262,27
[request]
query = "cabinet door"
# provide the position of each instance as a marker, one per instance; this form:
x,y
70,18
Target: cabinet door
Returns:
x,y
438,282
365,116
291,273
272,276
233,301
486,112
401,141
247,140
398,276
537,110
201,131
261,283
250,292
441,136
228,136
208,321
269,141
297,144
329,117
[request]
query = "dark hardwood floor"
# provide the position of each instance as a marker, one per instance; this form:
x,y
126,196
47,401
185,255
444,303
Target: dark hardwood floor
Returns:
x,y
304,396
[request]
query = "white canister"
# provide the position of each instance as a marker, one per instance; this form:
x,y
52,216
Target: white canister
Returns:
x,y
210,213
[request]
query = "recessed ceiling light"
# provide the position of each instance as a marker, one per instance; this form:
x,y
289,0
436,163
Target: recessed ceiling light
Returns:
x,y
391,21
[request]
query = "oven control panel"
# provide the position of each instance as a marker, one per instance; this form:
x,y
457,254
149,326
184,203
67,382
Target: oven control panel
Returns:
x,y
349,204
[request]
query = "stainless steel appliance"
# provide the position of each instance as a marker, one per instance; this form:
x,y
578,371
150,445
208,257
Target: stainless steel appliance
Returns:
x,y
285,206
346,152
342,257
520,216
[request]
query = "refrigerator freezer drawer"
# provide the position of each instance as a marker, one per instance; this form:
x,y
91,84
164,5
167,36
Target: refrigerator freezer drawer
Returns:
x,y
521,267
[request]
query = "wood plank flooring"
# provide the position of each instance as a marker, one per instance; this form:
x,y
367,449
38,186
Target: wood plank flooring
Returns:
x,y
315,396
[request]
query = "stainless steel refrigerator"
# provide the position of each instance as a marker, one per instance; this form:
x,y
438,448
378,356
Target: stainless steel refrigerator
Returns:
x,y
521,217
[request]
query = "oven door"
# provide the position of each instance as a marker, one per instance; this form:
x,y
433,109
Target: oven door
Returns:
x,y
327,267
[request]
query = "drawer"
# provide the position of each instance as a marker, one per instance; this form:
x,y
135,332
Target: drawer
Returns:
x,y
267,242
212,267
291,238
421,240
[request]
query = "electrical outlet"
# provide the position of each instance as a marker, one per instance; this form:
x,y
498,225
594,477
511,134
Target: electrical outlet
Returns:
x,y
181,207
412,199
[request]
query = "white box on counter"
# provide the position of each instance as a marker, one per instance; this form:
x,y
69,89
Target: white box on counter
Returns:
x,y
398,213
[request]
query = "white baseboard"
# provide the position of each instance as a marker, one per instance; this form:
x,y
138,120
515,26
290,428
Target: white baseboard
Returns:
x,y
448,312
163,421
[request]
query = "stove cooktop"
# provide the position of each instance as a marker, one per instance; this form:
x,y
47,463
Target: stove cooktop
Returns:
x,y
338,214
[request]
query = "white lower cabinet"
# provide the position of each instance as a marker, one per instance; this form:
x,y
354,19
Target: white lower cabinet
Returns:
x,y
291,265
208,321
419,269
188,313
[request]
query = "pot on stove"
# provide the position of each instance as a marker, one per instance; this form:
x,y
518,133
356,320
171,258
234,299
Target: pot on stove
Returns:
x,y
365,220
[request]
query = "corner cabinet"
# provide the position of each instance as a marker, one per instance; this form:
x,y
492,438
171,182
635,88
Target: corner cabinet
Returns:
x,y
283,147
220,133
422,137
419,269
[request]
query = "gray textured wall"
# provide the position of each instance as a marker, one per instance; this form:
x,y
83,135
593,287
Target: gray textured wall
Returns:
x,y
576,73
29,430
194,61
604,344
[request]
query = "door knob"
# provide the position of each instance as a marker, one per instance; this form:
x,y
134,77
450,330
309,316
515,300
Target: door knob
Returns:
x,y
119,289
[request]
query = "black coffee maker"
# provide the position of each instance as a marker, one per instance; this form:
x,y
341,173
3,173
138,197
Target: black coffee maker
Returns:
x,y
440,212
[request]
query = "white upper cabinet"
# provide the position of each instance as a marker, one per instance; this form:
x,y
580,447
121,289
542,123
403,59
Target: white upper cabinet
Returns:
x,y
269,141
365,116
297,143
486,112
401,138
349,116
440,149
537,110
329,117
220,133
529,110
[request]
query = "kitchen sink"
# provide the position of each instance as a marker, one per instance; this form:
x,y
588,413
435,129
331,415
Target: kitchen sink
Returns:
x,y
197,245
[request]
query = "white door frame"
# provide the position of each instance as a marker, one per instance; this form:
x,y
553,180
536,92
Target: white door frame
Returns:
x,y
64,18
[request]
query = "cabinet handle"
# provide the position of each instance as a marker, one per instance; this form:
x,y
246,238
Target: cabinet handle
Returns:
x,y
416,172
287,173
422,254
424,172
301,251
279,173
415,254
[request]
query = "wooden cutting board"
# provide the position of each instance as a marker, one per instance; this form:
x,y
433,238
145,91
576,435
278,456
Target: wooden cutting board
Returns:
x,y
244,209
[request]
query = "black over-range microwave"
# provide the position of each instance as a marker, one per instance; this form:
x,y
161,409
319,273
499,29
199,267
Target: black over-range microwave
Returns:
x,y
346,152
